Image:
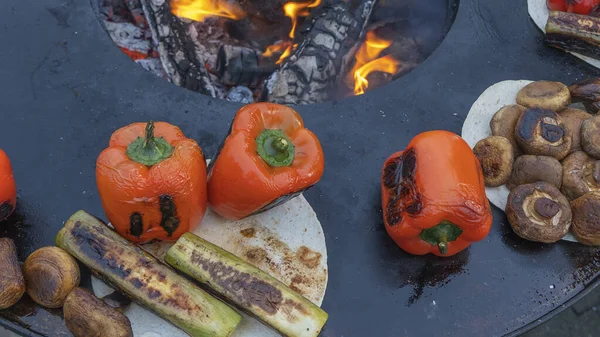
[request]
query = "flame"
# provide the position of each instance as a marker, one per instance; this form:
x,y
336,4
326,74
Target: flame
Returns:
x,y
292,10
367,61
199,10
295,9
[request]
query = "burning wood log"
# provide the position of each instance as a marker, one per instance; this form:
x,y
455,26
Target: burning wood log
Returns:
x,y
319,63
242,66
179,52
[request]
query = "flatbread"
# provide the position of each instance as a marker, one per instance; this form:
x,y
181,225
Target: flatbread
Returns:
x,y
287,242
539,13
477,127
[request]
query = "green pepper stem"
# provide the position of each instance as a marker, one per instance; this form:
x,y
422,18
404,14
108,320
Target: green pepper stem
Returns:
x,y
275,148
149,150
441,234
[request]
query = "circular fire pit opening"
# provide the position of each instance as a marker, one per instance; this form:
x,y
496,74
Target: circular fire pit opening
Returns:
x,y
283,51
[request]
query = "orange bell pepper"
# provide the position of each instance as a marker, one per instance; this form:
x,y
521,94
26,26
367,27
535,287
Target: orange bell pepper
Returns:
x,y
267,158
433,196
152,186
8,189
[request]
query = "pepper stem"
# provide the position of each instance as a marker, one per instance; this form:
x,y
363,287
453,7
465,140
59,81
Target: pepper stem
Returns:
x,y
441,234
149,150
275,148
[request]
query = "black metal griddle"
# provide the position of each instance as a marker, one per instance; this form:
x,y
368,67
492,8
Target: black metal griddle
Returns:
x,y
65,87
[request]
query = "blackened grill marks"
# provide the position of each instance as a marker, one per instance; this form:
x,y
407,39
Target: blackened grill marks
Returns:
x,y
136,226
399,176
242,287
169,221
5,209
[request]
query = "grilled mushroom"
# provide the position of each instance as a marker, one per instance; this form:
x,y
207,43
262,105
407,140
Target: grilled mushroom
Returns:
x,y
542,132
554,96
50,275
587,92
573,118
586,218
581,174
496,157
86,315
12,284
538,212
529,169
590,136
503,124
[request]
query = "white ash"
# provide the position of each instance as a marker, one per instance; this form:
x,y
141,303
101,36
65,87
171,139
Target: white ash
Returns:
x,y
240,94
128,36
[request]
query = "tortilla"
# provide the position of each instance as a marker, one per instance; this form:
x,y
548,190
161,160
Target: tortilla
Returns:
x,y
287,242
477,127
539,13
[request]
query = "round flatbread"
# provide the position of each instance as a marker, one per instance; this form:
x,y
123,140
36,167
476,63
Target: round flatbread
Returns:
x,y
539,13
286,242
477,127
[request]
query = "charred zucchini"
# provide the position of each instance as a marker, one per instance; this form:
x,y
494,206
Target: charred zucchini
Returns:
x,y
147,281
574,32
246,286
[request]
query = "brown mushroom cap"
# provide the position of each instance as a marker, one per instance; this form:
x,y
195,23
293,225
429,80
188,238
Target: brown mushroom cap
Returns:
x,y
573,118
529,169
542,132
503,124
12,284
586,219
581,174
538,212
550,95
587,92
496,157
590,137
50,274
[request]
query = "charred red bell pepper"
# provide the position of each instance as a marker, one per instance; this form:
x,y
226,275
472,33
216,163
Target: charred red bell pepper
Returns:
x,y
583,7
152,183
433,196
8,189
267,158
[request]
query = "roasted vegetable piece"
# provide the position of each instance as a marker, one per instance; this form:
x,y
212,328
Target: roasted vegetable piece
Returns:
x,y
8,190
529,169
581,174
588,93
583,7
538,212
87,316
239,282
267,158
496,157
152,182
433,196
586,219
50,274
572,119
12,284
549,95
542,132
573,32
590,137
503,124
143,278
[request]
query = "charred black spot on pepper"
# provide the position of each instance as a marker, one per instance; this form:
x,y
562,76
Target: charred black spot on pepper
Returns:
x,y
405,197
390,173
241,286
5,209
169,221
409,164
136,226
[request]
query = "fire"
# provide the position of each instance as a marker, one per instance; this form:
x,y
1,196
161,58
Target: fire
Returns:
x,y
199,10
292,10
368,61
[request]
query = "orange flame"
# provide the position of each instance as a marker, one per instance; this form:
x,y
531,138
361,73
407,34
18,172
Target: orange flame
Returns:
x,y
367,61
199,10
292,10
295,9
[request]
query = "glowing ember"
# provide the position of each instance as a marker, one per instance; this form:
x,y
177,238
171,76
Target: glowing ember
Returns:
x,y
199,10
367,61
